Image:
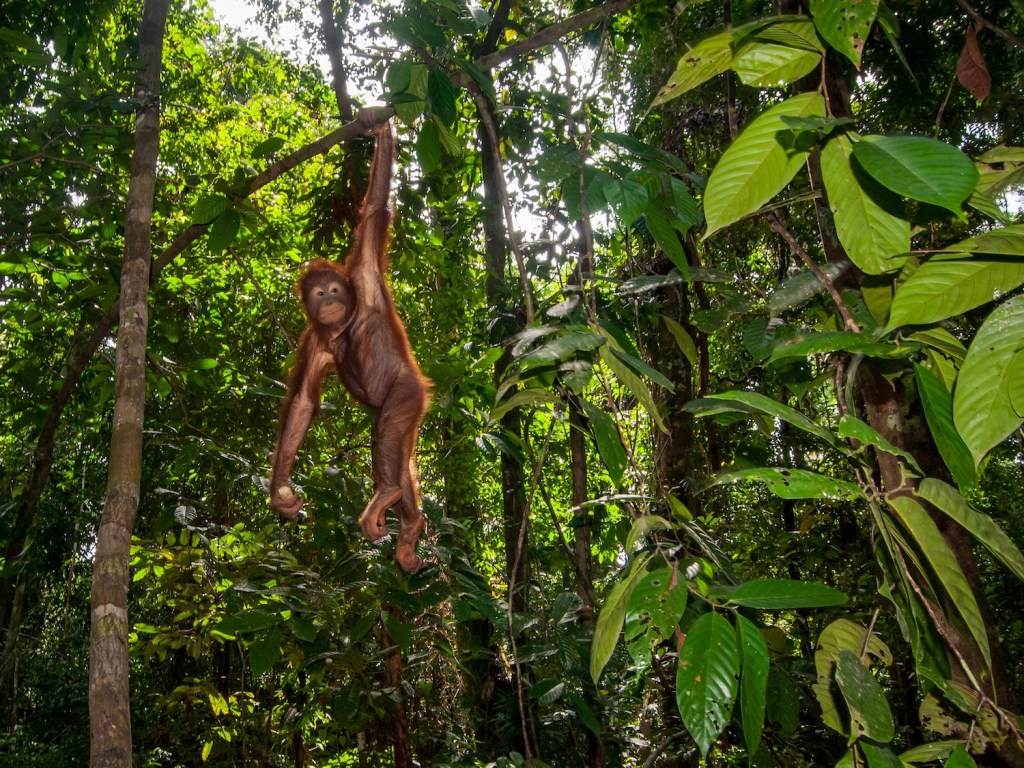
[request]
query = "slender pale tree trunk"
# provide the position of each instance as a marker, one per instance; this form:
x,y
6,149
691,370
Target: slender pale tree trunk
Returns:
x,y
109,710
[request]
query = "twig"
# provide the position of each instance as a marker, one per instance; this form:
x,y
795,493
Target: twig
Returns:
x,y
1009,37
794,246
484,110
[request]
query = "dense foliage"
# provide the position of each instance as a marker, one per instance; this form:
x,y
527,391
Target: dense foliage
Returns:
x,y
722,306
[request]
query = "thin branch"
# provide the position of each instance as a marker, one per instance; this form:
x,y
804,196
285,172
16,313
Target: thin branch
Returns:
x,y
1009,37
552,34
794,246
484,110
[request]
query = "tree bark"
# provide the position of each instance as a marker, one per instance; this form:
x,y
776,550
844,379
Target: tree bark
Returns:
x,y
109,705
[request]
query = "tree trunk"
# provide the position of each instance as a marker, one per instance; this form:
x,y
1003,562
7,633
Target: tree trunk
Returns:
x,y
109,707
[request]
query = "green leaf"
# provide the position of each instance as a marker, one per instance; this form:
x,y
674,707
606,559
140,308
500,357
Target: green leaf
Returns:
x,y
761,161
612,616
982,407
938,411
683,339
532,396
630,380
643,527
653,612
755,402
565,347
933,751
208,208
268,147
824,342
852,427
666,236
919,168
245,622
643,369
880,757
265,652
708,58
547,692
763,62
585,714
944,565
944,288
428,147
803,286
785,594
661,600
609,443
789,483
982,527
706,678
870,234
845,24
441,94
628,199
869,711
223,230
753,682
1005,241
960,759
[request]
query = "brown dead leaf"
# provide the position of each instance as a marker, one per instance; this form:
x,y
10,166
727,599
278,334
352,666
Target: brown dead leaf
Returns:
x,y
971,70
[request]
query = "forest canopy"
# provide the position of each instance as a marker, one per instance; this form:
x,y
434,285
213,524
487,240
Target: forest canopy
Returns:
x,y
722,307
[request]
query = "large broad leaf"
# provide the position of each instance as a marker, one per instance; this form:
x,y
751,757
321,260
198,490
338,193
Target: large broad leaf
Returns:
x,y
785,594
781,53
609,443
789,483
938,410
637,386
612,617
880,757
708,58
920,168
707,678
653,611
870,234
845,24
865,700
944,288
982,405
755,402
758,164
1005,241
982,527
823,342
852,427
753,682
945,567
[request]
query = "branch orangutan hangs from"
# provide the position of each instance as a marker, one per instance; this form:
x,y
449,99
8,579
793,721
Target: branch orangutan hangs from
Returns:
x,y
352,323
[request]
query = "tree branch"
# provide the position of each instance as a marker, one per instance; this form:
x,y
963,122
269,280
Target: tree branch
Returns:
x,y
980,20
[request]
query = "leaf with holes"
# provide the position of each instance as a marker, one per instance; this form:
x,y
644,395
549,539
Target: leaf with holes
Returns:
x,y
870,232
982,404
919,168
708,58
653,611
845,24
762,160
707,678
866,705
